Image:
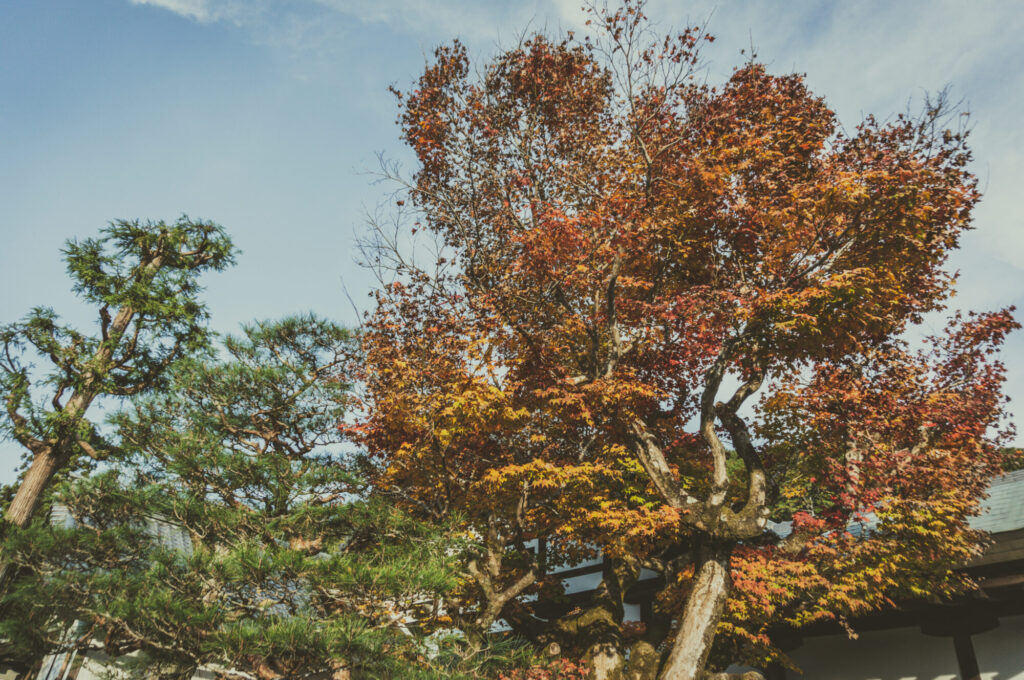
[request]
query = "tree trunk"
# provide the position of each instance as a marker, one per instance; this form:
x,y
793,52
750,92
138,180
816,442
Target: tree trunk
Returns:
x,y
703,610
645,655
600,629
606,661
19,513
595,634
51,457
30,492
644,659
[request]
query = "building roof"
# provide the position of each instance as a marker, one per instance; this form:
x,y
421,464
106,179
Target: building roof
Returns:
x,y
1003,509
163,532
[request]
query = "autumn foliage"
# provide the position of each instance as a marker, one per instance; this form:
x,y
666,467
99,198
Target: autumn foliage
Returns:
x,y
666,321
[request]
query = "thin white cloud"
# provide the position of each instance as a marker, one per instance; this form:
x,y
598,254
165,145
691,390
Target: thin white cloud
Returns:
x,y
866,57
299,24
238,12
197,10
472,22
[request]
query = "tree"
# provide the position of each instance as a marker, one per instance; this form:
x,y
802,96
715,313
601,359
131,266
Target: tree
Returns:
x,y
287,572
627,256
143,279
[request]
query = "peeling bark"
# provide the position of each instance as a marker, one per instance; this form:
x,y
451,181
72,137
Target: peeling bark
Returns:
x,y
704,608
37,478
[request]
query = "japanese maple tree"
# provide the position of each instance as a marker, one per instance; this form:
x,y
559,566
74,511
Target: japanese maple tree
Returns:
x,y
664,316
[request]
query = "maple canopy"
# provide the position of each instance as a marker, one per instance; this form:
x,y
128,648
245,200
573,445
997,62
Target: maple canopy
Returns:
x,y
664,322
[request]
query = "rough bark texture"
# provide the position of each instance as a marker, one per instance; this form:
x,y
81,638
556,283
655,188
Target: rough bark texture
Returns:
x,y
644,659
605,661
19,513
594,633
37,478
704,608
598,629
53,454
487,571
606,653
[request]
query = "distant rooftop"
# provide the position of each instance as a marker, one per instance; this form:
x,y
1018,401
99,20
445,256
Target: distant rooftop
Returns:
x,y
1003,510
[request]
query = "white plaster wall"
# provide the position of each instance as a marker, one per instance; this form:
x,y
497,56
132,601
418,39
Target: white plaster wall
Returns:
x,y
899,654
1000,651
908,654
99,666
582,583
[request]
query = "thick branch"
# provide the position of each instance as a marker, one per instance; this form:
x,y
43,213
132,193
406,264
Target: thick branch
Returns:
x,y
19,426
757,485
89,450
719,475
653,459
496,597
754,510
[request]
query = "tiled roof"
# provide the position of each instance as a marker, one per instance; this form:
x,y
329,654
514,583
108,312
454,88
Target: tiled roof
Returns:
x,y
168,534
1003,510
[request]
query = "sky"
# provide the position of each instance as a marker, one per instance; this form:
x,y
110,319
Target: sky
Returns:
x,y
268,117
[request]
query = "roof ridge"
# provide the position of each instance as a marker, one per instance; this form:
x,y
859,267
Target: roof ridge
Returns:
x,y
1010,477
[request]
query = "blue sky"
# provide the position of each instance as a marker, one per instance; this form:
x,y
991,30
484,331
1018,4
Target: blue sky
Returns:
x,y
267,115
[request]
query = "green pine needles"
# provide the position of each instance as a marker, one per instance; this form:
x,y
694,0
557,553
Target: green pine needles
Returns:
x,y
232,533
142,279
223,525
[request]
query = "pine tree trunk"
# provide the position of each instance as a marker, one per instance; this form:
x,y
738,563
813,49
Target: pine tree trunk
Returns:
x,y
50,458
30,492
704,609
19,513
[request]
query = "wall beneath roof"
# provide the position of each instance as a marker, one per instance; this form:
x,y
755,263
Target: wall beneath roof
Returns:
x,y
908,654
1001,651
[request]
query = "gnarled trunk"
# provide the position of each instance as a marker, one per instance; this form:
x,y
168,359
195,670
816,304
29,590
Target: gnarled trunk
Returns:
x,y
703,610
19,513
606,661
645,655
595,633
600,626
487,571
44,466
644,659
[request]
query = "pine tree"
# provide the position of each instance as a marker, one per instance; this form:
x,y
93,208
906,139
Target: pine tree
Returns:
x,y
143,280
281,568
